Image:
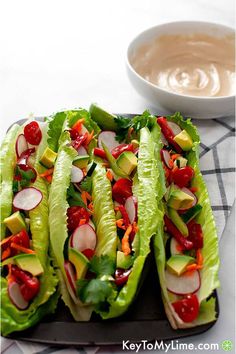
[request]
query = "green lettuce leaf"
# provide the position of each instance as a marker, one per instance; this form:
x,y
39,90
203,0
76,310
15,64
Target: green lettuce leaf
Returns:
x,y
74,115
209,273
55,124
13,319
148,220
7,161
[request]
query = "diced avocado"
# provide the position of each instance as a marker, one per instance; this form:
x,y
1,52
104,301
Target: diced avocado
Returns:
x,y
177,199
177,264
176,219
81,161
104,119
184,140
180,162
48,158
135,143
123,261
15,223
30,263
127,161
93,143
191,213
79,261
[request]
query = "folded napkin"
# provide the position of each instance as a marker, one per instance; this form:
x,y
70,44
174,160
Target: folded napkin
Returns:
x,y
217,161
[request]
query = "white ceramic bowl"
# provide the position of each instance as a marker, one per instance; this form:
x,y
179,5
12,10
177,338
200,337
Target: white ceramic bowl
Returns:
x,y
193,106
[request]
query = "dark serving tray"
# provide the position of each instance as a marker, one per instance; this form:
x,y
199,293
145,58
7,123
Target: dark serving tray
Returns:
x,y
145,319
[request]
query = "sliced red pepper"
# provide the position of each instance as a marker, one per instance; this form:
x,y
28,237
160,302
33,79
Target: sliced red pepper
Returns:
x,y
121,190
124,214
195,234
117,151
100,153
168,133
182,176
79,141
172,229
29,285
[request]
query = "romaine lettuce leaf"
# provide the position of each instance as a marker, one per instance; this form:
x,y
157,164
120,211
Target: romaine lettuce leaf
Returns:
x,y
74,115
55,124
7,161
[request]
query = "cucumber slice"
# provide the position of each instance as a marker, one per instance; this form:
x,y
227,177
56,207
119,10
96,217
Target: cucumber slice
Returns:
x,y
191,213
104,119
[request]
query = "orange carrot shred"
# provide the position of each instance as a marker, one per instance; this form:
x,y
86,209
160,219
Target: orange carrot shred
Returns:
x,y
193,189
105,164
82,222
21,248
90,207
5,240
6,253
49,178
84,198
171,163
175,156
130,131
125,241
199,258
109,175
88,196
193,266
47,172
120,224
89,137
78,125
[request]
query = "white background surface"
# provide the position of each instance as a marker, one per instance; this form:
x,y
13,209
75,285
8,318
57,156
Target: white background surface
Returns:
x,y
63,54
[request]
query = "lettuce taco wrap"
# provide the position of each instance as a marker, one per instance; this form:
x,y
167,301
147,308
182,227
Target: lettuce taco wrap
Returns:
x,y
186,246
28,282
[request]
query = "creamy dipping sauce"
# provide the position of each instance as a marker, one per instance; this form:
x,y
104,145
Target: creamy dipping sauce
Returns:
x,y
196,65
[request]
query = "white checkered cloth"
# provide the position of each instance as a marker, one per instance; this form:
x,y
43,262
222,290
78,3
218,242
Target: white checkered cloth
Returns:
x,y
217,161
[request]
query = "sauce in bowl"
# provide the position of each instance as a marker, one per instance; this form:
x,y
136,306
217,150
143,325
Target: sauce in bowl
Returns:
x,y
196,65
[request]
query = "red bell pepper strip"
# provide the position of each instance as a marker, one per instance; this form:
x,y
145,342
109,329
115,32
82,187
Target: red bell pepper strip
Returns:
x,y
30,285
125,215
117,151
172,229
79,141
168,133
100,153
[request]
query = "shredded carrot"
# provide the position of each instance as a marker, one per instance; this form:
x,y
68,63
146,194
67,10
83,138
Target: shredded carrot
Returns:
x,y
120,224
175,156
84,171
130,131
5,240
89,137
135,227
90,207
193,266
82,222
105,164
6,253
109,175
193,189
49,178
199,257
84,198
171,163
125,241
88,196
48,172
78,125
117,208
21,248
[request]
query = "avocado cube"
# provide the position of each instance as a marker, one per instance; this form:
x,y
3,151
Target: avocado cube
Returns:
x,y
81,161
79,261
177,199
184,140
48,158
30,263
127,161
177,264
15,222
123,261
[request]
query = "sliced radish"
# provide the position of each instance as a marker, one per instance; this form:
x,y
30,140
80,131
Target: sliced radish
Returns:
x,y
187,191
16,296
175,247
76,174
164,141
175,128
27,198
165,155
91,224
109,139
136,151
131,208
82,151
25,155
70,273
21,145
83,237
187,283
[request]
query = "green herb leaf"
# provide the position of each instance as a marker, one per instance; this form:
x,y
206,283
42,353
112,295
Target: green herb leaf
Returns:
x,y
15,186
102,265
86,184
94,291
75,197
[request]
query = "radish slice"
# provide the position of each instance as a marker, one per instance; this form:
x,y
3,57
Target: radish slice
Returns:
x,y
109,139
163,140
16,296
175,247
187,191
82,151
76,174
83,237
136,151
175,128
131,208
165,155
187,283
27,198
70,273
21,145
91,224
